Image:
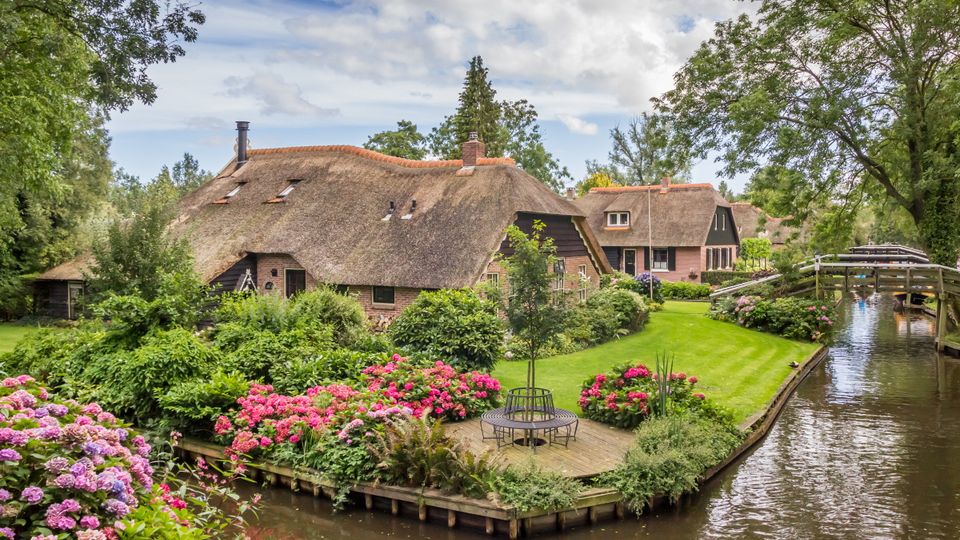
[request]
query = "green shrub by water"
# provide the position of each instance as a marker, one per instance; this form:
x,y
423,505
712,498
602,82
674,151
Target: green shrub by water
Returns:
x,y
669,456
192,405
527,487
457,325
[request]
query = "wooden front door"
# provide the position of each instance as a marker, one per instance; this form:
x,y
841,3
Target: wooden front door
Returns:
x,y
294,281
74,295
630,261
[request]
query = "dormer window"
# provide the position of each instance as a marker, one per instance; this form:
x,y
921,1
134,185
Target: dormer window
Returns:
x,y
287,190
618,219
233,192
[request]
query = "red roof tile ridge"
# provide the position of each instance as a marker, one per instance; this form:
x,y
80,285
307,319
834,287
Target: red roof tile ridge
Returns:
x,y
377,156
624,189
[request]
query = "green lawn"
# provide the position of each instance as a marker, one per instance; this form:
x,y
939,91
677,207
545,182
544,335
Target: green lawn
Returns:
x,y
10,334
739,368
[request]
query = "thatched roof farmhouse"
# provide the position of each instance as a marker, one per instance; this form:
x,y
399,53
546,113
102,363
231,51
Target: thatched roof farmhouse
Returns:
x,y
690,228
285,219
753,222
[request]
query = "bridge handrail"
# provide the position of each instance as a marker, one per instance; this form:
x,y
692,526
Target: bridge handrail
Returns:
x,y
726,291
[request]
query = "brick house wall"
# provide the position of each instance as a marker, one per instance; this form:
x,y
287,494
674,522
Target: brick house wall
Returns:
x,y
402,297
690,262
571,281
267,263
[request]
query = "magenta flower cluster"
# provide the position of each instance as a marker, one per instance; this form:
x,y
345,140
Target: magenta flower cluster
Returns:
x,y
65,467
399,387
625,396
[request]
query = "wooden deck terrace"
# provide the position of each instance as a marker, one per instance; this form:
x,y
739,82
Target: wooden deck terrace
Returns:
x,y
597,449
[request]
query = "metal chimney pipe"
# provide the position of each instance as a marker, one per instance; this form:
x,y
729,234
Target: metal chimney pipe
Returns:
x,y
242,128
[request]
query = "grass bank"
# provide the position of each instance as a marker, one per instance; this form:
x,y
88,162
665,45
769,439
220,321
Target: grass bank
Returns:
x,y
737,367
10,334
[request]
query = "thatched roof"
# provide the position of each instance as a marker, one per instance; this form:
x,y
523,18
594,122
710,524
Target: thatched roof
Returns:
x,y
72,270
332,223
748,217
682,214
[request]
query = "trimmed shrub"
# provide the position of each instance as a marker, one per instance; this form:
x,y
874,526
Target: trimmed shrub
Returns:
x,y
684,290
630,307
716,277
528,487
454,324
324,305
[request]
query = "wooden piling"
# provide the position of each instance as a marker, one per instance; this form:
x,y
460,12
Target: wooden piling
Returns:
x,y
451,518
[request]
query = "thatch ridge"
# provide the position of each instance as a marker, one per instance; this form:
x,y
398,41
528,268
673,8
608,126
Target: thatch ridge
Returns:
x,y
377,156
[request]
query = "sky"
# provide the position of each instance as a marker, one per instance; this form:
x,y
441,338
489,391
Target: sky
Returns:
x,y
334,72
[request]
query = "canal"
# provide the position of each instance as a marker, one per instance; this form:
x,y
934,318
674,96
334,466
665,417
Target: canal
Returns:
x,y
868,447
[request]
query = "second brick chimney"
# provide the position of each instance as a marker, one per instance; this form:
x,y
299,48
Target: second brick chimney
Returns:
x,y
472,150
665,184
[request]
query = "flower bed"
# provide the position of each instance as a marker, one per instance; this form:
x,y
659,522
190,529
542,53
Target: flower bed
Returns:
x,y
65,467
627,395
267,422
794,318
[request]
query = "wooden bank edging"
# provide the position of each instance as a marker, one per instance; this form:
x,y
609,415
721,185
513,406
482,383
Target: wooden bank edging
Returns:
x,y
592,506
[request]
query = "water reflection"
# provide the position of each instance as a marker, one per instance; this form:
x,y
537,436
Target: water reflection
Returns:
x,y
867,448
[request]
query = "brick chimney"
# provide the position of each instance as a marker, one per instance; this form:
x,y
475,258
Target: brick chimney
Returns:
x,y
571,193
665,184
472,150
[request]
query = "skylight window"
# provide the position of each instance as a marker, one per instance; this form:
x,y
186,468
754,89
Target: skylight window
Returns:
x,y
287,190
233,192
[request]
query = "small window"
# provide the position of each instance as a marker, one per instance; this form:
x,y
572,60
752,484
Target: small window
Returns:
x,y
618,219
287,190
233,192
716,222
661,259
723,221
492,277
584,280
559,276
383,295
709,259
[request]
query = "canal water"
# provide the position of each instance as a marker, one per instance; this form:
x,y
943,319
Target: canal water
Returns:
x,y
868,447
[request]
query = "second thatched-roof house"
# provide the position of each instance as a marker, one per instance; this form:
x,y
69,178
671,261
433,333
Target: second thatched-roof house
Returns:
x,y
675,231
753,222
281,220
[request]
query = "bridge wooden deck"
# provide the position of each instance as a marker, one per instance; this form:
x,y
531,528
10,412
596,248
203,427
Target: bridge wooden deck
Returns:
x,y
598,448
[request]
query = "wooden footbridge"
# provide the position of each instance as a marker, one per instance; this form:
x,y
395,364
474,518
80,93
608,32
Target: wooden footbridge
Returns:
x,y
866,269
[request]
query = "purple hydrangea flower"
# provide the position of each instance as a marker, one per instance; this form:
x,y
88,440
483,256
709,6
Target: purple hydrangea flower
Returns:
x,y
117,508
9,454
4,495
89,522
57,465
32,494
6,532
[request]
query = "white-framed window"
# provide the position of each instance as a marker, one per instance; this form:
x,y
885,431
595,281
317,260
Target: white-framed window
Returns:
x,y
492,277
233,192
716,222
709,259
661,259
384,295
724,258
618,219
559,274
723,221
584,280
287,190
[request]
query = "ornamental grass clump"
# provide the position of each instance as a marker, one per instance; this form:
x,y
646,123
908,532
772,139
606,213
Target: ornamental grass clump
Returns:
x,y
628,394
65,468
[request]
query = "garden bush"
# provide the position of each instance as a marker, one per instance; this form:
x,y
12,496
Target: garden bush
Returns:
x,y
53,355
326,306
629,307
528,487
66,468
295,375
255,353
716,277
669,456
627,395
192,406
791,317
639,284
684,290
455,324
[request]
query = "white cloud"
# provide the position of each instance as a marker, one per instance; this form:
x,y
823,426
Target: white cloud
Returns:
x,y
275,95
578,125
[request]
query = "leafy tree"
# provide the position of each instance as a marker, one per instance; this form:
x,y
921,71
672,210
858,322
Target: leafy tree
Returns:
x,y
187,175
137,253
595,179
646,151
533,313
405,142
845,94
507,128
725,191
